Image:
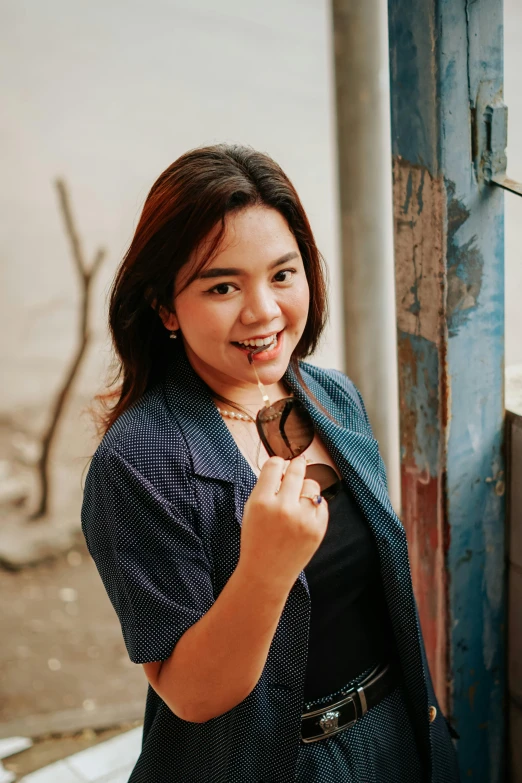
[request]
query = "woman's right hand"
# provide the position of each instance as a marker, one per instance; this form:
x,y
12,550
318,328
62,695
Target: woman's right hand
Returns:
x,y
281,530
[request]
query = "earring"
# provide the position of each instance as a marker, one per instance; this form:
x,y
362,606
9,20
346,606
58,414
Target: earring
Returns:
x,y
173,336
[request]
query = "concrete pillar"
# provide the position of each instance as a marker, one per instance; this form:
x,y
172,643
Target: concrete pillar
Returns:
x,y
363,143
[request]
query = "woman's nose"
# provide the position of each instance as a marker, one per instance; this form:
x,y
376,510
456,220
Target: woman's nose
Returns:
x,y
260,307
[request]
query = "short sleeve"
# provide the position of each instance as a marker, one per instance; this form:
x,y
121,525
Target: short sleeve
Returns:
x,y
149,556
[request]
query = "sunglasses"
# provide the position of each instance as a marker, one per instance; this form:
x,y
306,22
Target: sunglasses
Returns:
x,y
286,430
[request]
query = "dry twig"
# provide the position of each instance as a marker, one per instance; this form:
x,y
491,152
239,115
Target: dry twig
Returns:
x,y
86,275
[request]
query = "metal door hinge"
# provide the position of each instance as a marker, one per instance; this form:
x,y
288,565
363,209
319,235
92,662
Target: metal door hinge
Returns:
x,y
494,161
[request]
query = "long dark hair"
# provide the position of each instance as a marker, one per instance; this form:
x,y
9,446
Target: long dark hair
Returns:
x,y
190,198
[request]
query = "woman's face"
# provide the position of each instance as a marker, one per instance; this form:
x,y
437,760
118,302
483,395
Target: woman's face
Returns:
x,y
254,288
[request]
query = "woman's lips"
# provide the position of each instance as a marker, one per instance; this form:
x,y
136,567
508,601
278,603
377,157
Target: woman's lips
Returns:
x,y
263,356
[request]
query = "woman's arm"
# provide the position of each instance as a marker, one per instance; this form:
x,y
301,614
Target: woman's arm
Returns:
x,y
202,654
219,660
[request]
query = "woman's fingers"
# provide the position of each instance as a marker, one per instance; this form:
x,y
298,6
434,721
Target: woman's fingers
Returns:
x,y
310,488
269,480
280,531
292,483
286,479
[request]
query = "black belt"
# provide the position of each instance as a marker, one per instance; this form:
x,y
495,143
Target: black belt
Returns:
x,y
332,718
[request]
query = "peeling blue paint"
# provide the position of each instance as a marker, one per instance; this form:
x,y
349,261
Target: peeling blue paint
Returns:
x,y
419,391
409,191
420,201
414,95
446,63
415,306
465,265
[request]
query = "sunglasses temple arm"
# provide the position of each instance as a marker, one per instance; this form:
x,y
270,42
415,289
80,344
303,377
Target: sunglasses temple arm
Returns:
x,y
262,389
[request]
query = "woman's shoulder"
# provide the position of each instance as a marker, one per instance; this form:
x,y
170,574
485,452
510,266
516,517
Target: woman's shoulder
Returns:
x,y
146,436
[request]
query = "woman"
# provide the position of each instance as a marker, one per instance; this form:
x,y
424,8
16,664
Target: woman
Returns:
x,y
278,630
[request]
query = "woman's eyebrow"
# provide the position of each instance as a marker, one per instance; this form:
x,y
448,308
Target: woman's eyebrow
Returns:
x,y
232,271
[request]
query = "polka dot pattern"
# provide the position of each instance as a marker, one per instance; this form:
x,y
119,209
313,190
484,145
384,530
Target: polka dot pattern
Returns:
x,y
162,511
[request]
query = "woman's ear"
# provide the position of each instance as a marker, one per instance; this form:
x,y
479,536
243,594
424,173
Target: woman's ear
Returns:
x,y
170,320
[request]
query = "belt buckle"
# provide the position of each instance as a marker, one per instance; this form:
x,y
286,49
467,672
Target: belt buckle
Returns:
x,y
330,717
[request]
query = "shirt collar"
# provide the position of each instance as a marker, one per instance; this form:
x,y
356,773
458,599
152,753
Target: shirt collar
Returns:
x,y
212,448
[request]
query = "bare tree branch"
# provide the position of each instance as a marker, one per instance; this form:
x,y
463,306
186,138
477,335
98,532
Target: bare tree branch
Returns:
x,y
74,239
86,277
98,260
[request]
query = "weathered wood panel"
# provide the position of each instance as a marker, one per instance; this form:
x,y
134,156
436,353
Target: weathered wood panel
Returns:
x,y
446,67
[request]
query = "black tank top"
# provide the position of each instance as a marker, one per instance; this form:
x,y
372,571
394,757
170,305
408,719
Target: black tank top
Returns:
x,y
350,628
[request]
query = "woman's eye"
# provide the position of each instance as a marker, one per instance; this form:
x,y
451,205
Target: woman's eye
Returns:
x,y
218,289
286,279
283,276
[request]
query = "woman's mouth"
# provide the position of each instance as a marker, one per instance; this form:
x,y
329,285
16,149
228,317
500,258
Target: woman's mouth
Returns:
x,y
264,353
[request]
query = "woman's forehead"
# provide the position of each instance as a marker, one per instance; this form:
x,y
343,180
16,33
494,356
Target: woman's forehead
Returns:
x,y
252,239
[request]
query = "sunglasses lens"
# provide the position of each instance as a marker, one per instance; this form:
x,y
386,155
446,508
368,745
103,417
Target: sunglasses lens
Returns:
x,y
286,428
326,477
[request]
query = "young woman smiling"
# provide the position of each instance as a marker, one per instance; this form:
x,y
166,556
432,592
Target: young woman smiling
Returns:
x,y
277,629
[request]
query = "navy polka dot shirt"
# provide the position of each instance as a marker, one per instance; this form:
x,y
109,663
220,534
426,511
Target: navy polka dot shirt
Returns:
x,y
161,515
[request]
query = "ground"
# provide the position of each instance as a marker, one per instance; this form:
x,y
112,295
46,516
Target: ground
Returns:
x,y
64,669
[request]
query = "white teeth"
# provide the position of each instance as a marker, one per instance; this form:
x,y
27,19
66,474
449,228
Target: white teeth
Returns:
x,y
259,342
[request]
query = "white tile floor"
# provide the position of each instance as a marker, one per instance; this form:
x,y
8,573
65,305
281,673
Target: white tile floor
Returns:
x,y
5,776
8,747
109,762
11,745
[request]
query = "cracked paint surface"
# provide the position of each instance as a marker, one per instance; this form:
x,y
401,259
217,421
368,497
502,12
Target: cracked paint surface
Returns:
x,y
420,293
446,68
419,283
465,266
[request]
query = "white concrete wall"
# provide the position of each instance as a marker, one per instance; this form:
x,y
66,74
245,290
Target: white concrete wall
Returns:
x,y
107,95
